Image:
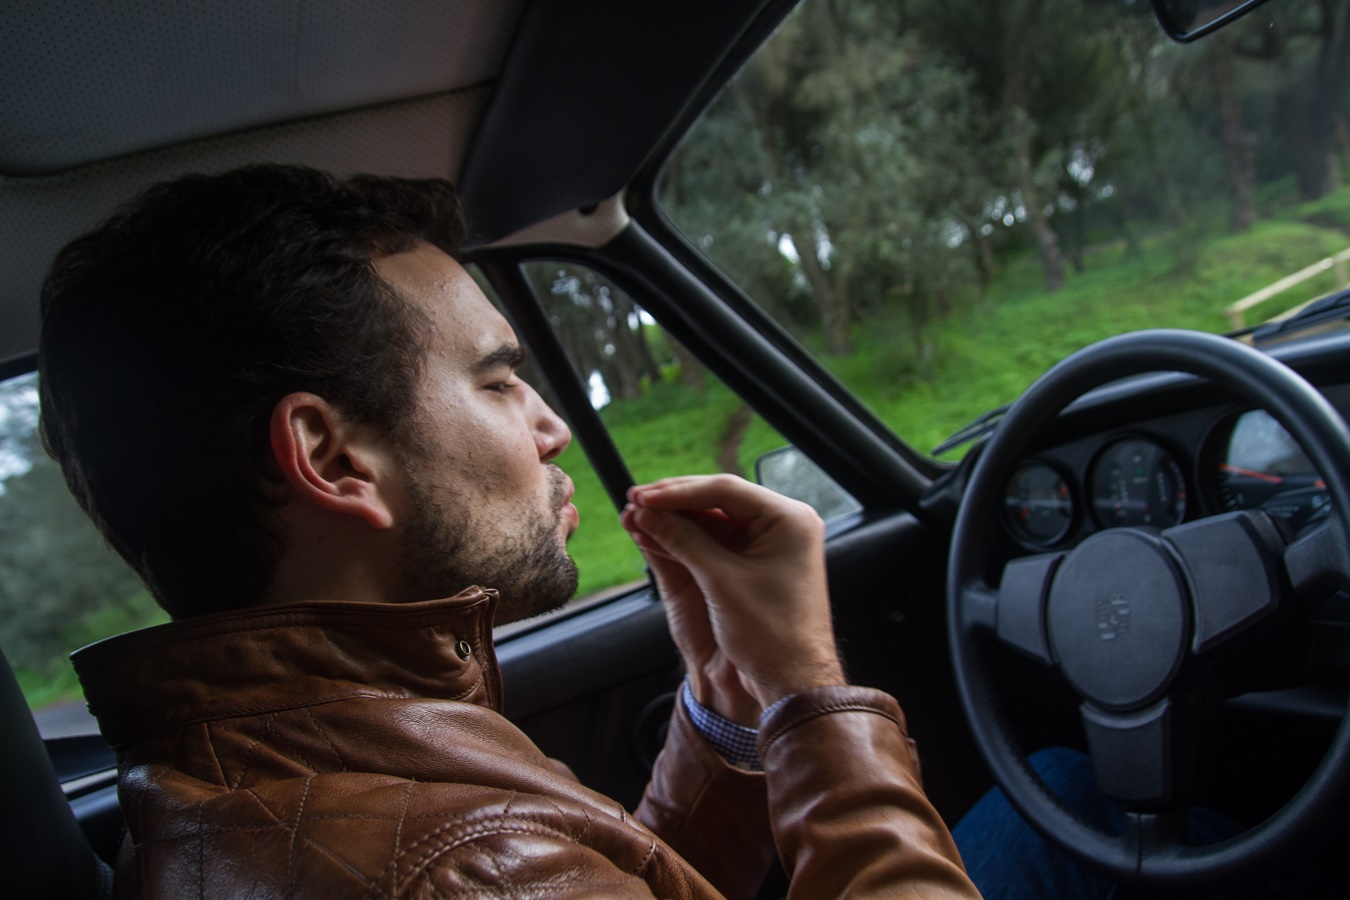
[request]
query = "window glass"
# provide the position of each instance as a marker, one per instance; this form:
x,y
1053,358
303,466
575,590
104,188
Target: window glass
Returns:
x,y
61,587
664,411
940,200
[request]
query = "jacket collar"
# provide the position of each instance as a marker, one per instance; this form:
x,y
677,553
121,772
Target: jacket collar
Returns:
x,y
256,661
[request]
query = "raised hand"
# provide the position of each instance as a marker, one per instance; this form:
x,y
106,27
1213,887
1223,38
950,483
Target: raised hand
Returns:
x,y
742,573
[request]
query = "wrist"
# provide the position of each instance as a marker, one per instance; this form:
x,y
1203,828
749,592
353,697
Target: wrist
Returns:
x,y
723,693
798,679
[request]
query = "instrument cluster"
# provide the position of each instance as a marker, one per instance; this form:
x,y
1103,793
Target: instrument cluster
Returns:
x,y
1244,460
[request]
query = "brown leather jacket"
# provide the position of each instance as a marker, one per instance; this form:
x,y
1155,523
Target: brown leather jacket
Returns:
x,y
350,749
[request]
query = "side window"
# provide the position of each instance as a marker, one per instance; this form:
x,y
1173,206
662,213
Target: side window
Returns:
x,y
60,585
666,413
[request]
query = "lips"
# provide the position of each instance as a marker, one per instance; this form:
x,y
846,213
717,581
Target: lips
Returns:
x,y
568,510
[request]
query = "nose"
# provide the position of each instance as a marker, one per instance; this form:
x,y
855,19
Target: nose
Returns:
x,y
551,434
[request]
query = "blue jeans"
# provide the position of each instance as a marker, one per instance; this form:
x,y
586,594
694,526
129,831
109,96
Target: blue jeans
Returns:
x,y
1007,860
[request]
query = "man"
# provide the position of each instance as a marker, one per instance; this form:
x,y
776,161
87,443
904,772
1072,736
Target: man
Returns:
x,y
287,405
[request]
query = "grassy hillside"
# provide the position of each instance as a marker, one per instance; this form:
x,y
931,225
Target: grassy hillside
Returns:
x,y
980,357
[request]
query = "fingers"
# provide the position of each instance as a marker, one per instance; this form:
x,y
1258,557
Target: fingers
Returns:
x,y
674,535
736,497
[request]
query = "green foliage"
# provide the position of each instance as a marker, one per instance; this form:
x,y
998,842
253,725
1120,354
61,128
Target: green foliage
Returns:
x,y
55,570
981,357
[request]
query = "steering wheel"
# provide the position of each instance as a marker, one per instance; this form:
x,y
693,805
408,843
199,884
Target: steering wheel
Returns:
x,y
1138,621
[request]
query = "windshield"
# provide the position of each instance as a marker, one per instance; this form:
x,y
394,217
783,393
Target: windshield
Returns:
x,y
942,199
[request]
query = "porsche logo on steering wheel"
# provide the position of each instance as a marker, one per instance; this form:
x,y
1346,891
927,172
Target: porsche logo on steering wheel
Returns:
x,y
1113,616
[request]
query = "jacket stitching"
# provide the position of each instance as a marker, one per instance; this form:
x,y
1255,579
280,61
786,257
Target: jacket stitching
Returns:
x,y
248,760
816,712
295,833
211,744
398,830
271,827
270,730
474,830
201,853
469,690
484,830
646,858
324,734
267,809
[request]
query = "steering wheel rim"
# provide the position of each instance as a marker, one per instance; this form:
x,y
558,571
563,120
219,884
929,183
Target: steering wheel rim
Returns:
x,y
1144,855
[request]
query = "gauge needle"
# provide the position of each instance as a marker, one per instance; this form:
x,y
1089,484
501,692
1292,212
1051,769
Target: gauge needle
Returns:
x,y
1252,473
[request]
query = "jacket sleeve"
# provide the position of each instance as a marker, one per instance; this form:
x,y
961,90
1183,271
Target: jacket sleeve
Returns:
x,y
710,812
849,815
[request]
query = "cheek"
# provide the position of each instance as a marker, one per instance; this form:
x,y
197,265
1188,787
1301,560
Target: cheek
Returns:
x,y
490,444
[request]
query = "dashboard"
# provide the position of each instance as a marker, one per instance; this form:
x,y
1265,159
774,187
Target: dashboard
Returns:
x,y
1164,449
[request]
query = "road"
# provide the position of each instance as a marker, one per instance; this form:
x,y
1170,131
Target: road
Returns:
x,y
65,720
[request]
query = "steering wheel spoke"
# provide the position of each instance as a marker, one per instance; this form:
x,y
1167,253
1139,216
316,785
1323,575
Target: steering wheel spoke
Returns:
x,y
1319,561
1022,595
1133,754
1232,567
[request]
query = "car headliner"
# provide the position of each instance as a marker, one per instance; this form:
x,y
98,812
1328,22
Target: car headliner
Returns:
x,y
534,107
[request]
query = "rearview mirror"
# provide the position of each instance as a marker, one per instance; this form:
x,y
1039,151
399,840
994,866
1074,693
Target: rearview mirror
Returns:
x,y
1186,20
788,471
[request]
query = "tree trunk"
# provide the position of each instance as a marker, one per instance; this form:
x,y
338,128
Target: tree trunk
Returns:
x,y
1342,129
691,370
1020,127
1047,241
1313,142
835,314
1237,155
984,257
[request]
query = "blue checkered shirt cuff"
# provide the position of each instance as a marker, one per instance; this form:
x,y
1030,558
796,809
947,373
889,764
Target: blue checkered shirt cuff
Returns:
x,y
735,743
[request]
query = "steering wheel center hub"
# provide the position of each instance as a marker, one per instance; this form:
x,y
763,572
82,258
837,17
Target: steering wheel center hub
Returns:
x,y
1118,618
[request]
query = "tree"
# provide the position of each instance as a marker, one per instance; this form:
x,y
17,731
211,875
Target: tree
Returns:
x,y
56,572
599,326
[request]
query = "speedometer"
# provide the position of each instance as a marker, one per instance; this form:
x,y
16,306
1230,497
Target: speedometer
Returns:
x,y
1137,482
1262,467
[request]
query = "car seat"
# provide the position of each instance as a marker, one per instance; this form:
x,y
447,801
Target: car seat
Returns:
x,y
44,853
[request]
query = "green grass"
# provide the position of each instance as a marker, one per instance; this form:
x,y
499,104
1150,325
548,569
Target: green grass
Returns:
x,y
992,352
984,355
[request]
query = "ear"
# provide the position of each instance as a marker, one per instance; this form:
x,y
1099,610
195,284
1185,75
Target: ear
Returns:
x,y
331,463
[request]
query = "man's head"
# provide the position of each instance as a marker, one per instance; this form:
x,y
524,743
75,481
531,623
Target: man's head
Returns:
x,y
229,359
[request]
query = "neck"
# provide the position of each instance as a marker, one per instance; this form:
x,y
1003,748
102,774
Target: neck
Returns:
x,y
334,560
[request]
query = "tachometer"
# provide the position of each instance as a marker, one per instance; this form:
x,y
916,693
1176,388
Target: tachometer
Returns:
x,y
1262,467
1137,482
1038,504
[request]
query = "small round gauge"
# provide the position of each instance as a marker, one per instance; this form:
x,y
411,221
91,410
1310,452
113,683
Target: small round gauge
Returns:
x,y
1038,504
1136,482
1262,467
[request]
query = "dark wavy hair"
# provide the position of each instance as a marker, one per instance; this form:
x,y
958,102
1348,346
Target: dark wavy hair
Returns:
x,y
170,332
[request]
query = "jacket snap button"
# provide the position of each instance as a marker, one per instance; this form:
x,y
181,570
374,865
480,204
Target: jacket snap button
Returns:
x,y
463,649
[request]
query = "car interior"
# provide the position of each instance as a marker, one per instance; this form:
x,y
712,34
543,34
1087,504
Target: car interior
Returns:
x,y
1117,565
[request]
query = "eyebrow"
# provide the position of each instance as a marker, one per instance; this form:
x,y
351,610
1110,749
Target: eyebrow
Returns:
x,y
511,356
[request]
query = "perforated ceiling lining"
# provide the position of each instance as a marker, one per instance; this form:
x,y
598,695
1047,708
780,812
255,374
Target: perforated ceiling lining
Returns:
x,y
417,138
